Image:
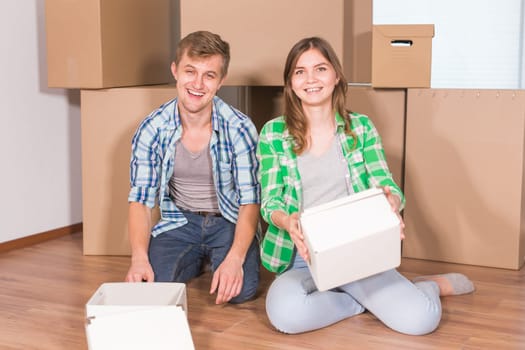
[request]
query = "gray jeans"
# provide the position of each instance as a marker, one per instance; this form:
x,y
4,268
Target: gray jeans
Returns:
x,y
294,305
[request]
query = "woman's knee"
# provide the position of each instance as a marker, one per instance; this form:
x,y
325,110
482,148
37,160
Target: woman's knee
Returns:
x,y
285,303
419,321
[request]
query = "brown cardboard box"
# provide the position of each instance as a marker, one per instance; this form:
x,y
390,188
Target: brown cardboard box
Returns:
x,y
261,32
109,120
402,55
108,43
360,41
465,181
386,109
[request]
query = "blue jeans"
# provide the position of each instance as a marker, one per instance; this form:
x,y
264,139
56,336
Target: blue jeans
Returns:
x,y
178,255
294,305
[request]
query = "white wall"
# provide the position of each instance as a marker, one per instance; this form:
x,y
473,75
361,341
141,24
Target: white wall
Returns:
x,y
40,164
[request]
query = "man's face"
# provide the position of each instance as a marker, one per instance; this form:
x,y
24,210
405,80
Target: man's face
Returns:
x,y
198,80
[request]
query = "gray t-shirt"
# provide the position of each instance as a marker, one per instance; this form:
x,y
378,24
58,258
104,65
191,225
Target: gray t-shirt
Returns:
x,y
323,177
191,185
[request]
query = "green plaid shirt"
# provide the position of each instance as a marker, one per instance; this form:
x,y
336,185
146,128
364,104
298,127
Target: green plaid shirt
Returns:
x,y
281,182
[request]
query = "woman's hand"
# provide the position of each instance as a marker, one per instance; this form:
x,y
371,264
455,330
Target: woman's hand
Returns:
x,y
290,223
294,230
395,203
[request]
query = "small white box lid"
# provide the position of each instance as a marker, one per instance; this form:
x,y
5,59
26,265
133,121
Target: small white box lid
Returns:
x,y
138,316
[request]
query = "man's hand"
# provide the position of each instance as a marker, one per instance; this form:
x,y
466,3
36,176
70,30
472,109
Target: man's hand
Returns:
x,y
140,271
227,280
139,225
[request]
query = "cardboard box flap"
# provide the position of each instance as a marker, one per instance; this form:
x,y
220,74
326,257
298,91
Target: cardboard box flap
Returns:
x,y
405,31
112,298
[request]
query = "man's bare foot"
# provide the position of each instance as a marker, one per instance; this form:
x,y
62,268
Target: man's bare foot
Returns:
x,y
449,283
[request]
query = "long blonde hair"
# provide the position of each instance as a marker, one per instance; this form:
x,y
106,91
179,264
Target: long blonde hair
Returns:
x,y
296,121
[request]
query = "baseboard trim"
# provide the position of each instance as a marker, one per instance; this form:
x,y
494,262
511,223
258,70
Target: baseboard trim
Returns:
x,y
40,237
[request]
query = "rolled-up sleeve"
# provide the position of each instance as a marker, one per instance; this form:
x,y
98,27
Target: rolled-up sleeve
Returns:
x,y
145,165
246,165
270,176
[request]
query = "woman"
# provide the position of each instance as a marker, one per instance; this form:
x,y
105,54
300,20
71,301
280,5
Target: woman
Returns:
x,y
317,152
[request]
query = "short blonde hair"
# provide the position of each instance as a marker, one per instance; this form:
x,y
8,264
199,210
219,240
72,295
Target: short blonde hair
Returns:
x,y
204,44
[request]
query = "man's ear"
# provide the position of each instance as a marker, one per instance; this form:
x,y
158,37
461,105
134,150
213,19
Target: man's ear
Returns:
x,y
174,70
221,82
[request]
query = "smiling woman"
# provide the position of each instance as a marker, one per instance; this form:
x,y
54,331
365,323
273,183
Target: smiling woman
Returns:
x,y
317,129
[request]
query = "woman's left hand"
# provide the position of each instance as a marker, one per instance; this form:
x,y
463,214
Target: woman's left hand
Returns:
x,y
395,203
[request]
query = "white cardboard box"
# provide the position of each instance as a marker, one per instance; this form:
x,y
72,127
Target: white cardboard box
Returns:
x,y
351,238
138,316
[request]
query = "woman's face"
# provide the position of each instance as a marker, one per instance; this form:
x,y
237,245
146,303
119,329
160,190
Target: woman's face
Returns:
x,y
313,79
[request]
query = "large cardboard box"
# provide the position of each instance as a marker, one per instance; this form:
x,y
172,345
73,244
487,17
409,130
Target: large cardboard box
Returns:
x,y
262,32
138,316
108,43
351,238
360,41
109,120
465,184
386,108
402,55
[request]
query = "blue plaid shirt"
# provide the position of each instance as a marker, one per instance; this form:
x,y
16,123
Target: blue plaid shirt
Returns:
x,y
232,147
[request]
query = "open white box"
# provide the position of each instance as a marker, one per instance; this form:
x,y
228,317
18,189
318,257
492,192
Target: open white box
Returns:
x,y
138,316
351,238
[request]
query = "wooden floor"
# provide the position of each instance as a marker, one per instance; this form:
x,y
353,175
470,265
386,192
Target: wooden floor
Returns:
x,y
44,289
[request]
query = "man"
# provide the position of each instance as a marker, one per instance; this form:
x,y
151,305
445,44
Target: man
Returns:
x,y
195,156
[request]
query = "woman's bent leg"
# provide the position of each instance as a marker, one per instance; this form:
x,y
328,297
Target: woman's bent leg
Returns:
x,y
400,304
294,305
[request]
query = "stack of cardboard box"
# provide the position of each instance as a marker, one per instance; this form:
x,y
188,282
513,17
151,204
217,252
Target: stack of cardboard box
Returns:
x,y
116,50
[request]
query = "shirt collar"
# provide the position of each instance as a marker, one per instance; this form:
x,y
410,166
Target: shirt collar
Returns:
x,y
339,126
339,122
214,114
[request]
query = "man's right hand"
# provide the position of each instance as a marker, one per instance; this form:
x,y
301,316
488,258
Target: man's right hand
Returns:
x,y
140,271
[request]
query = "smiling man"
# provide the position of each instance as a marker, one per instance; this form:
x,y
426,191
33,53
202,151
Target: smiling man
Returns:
x,y
195,158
